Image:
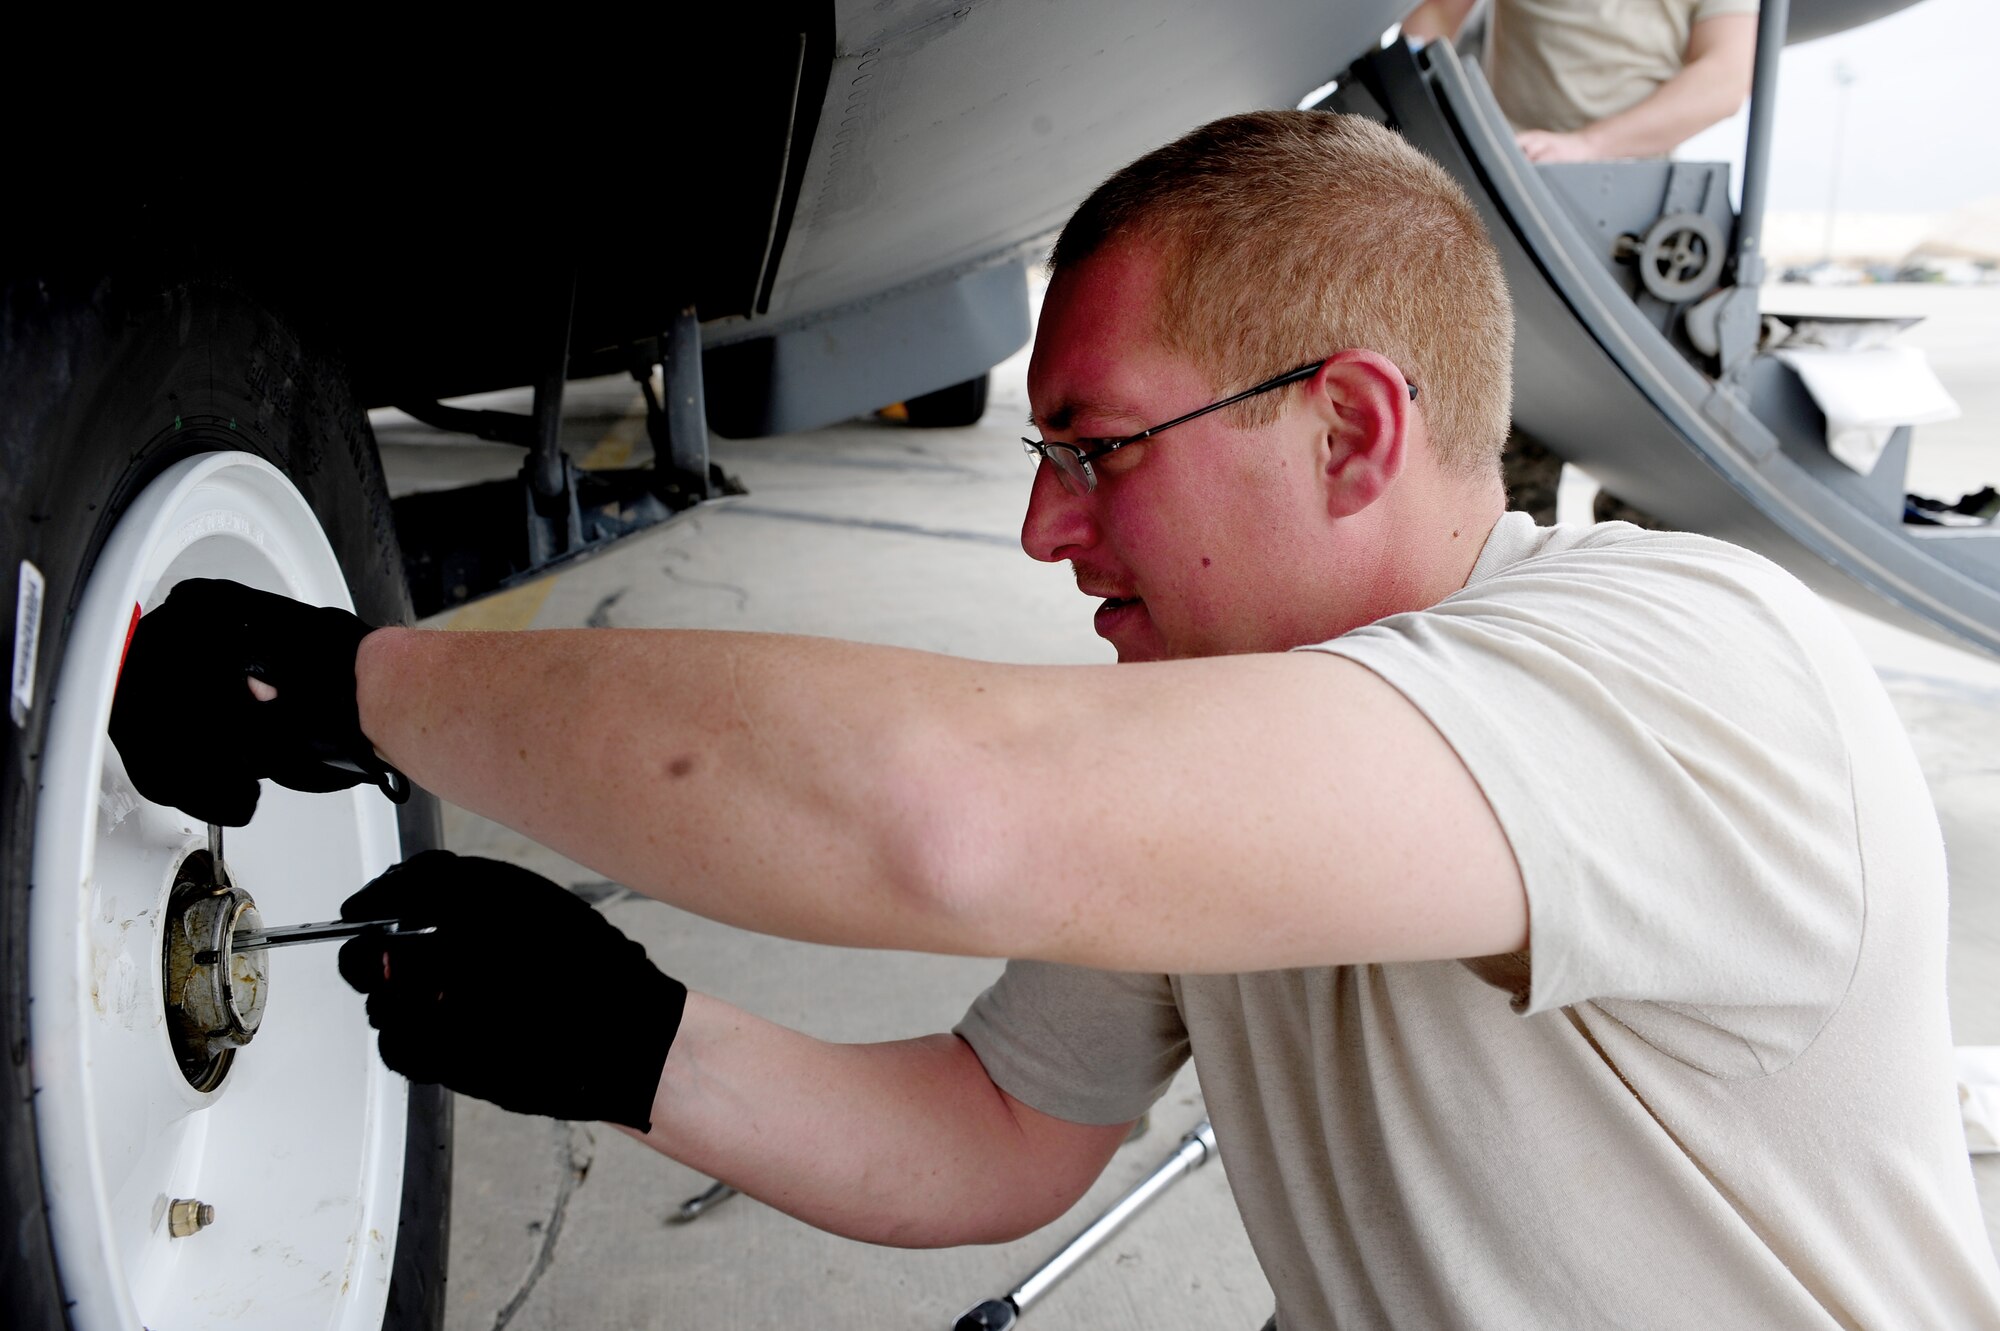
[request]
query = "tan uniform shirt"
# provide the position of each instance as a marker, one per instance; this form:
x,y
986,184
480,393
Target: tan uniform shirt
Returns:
x,y
1719,1095
1565,64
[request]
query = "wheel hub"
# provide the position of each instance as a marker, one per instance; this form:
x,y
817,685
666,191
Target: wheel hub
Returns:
x,y
215,994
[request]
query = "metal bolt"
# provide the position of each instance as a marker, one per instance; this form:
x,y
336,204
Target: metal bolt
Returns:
x,y
188,1214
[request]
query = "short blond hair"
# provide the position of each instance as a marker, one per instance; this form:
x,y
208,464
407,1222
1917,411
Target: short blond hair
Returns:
x,y
1290,235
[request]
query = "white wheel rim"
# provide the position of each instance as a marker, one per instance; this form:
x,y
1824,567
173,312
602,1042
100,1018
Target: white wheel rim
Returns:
x,y
300,1150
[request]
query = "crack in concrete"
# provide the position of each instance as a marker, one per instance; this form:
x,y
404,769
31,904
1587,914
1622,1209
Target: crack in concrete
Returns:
x,y
742,595
600,615
911,463
576,1149
877,524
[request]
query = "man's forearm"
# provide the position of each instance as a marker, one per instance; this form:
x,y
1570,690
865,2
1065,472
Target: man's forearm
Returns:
x,y
776,784
906,1143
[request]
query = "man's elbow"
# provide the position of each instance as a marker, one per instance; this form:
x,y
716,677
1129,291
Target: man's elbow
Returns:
x,y
984,1215
993,1193
954,854
979,1222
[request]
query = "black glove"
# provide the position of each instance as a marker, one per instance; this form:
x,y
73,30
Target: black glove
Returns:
x,y
524,996
192,734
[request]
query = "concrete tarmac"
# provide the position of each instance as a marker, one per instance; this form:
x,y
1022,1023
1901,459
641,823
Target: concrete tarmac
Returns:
x,y
875,532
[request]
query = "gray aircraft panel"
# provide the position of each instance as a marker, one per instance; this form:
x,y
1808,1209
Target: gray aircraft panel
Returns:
x,y
1811,19
966,113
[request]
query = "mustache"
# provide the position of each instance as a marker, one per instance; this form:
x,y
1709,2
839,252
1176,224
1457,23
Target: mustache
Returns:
x,y
1095,584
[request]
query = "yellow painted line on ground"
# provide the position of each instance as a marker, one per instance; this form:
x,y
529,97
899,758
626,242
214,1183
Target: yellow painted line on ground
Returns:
x,y
514,608
615,448
608,452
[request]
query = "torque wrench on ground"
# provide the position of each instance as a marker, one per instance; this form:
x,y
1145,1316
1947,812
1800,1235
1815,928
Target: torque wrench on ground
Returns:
x,y
1000,1314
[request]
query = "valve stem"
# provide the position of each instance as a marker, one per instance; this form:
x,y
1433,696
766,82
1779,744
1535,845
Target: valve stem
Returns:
x,y
188,1215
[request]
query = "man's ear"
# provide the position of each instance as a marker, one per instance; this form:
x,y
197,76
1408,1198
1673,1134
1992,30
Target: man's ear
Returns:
x,y
1364,402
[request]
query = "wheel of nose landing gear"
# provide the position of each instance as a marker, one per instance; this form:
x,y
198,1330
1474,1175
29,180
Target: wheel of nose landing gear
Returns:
x,y
289,1137
209,1141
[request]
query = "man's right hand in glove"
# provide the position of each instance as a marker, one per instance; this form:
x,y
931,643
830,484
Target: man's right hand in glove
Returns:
x,y
527,997
268,685
523,995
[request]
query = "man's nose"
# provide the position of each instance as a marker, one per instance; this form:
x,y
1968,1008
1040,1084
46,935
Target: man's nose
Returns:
x,y
1057,522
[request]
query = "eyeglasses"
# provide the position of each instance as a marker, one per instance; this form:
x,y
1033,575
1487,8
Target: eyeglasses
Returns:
x,y
1073,461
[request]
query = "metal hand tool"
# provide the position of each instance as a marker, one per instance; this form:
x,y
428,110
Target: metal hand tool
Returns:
x,y
701,1202
998,1314
250,940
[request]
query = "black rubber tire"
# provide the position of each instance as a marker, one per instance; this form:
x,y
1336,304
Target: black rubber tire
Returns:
x,y
103,384
960,404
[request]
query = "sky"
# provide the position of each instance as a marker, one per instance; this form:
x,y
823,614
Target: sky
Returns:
x,y
1922,115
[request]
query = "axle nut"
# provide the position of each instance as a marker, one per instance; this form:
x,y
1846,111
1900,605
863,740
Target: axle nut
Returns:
x,y
214,994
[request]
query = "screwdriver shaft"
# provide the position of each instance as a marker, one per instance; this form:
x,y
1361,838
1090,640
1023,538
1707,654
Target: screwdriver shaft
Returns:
x,y
250,940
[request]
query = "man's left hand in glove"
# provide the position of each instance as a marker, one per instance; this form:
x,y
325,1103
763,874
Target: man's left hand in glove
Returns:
x,y
269,683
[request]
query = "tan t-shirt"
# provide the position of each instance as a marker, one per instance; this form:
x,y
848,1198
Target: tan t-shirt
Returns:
x,y
1726,1098
1564,64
